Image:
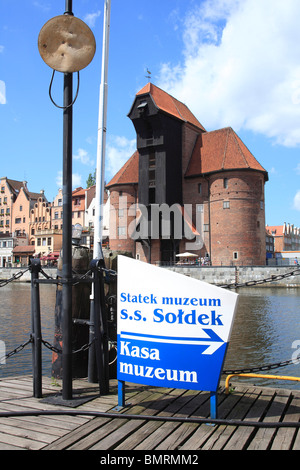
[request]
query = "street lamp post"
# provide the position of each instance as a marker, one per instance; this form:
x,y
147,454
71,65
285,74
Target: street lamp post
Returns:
x,y
67,230
67,45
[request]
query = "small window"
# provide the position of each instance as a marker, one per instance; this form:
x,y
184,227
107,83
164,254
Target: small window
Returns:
x,y
226,205
225,183
200,188
121,231
235,255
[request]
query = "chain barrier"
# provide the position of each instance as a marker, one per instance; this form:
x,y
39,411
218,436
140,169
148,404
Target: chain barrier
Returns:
x,y
16,276
273,278
261,368
113,274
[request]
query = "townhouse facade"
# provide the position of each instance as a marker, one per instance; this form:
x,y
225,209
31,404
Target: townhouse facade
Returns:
x,y
286,237
31,226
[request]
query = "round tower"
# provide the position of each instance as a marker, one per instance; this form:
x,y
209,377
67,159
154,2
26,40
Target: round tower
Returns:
x,y
237,218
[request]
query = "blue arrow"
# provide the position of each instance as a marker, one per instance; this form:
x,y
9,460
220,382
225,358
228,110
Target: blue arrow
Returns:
x,y
212,338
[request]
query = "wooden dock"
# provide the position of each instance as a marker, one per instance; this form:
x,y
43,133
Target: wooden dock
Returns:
x,y
71,430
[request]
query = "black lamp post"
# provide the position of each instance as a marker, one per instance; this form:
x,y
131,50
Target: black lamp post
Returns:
x,y
67,45
67,230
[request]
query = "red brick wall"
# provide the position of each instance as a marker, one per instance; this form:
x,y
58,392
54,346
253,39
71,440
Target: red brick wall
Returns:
x,y
240,228
124,198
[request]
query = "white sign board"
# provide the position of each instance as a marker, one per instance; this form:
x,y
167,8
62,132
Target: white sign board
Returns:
x,y
173,330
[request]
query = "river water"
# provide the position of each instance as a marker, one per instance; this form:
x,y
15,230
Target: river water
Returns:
x,y
266,330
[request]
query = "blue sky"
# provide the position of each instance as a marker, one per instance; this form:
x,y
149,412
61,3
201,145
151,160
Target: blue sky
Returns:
x,y
232,62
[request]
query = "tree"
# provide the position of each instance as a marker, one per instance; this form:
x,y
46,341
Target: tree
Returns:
x,y
91,180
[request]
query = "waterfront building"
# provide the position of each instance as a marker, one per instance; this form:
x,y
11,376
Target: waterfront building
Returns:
x,y
270,245
9,190
205,189
286,237
78,206
57,212
22,206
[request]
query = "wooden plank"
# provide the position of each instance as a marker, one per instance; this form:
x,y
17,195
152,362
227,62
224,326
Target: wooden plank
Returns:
x,y
203,432
22,442
242,434
38,436
88,432
264,436
79,434
128,427
34,425
150,436
87,435
285,436
222,433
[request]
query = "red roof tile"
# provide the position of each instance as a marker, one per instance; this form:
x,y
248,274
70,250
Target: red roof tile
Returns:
x,y
170,105
128,174
221,150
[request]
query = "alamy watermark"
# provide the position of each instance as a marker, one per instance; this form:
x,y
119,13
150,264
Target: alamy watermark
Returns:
x,y
296,353
140,222
2,353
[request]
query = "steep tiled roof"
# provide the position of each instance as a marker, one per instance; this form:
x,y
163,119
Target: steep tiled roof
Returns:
x,y
275,230
78,192
170,105
128,174
221,150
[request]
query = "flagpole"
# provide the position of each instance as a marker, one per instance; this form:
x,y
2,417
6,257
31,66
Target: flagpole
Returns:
x,y
100,169
96,367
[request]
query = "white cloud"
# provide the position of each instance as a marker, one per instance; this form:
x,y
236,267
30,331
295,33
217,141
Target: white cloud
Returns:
x,y
118,150
76,180
297,201
2,92
90,18
83,156
241,67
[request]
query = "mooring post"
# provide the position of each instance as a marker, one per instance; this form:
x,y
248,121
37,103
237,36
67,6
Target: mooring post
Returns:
x,y
67,230
100,328
35,268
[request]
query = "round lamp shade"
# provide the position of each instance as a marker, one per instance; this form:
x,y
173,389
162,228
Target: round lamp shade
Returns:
x,y
66,44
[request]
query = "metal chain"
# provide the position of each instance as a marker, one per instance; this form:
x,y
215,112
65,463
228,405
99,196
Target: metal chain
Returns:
x,y
261,368
16,276
273,278
59,351
17,349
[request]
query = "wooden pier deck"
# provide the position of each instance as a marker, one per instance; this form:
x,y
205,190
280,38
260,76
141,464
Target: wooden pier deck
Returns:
x,y
75,431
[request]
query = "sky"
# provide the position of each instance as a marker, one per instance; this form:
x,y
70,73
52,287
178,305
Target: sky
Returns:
x,y
232,62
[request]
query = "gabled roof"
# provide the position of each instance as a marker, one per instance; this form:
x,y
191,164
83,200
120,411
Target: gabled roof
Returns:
x,y
78,192
221,150
128,174
170,105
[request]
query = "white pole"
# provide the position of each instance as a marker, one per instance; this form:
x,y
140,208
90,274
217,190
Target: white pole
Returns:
x,y
100,169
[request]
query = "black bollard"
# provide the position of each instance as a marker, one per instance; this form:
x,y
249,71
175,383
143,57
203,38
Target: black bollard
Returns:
x,y
80,317
36,333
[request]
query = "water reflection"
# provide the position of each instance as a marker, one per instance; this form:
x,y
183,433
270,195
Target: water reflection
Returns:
x,y
264,330
15,319
265,327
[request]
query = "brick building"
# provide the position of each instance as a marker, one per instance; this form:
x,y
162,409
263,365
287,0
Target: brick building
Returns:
x,y
186,189
286,237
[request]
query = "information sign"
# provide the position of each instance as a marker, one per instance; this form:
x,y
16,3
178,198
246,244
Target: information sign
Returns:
x,y
173,330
